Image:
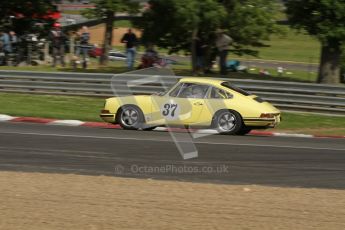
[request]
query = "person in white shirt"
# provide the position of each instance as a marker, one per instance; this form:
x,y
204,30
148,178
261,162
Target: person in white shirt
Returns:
x,y
222,43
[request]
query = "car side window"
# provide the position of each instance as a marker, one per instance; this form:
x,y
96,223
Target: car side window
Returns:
x,y
219,94
192,90
175,91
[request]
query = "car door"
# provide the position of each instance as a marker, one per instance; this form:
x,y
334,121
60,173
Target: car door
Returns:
x,y
216,99
182,106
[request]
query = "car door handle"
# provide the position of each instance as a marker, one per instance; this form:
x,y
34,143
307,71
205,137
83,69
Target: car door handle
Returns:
x,y
198,103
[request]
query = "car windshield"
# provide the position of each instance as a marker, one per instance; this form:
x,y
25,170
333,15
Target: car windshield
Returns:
x,y
174,89
193,90
228,85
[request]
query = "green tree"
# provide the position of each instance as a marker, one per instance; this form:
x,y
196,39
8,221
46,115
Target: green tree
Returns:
x,y
325,20
107,9
20,15
173,24
250,23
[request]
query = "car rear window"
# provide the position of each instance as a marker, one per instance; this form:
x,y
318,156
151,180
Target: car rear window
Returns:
x,y
219,94
259,99
234,88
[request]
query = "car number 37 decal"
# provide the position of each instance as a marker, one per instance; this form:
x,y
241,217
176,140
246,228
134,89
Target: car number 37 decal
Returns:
x,y
169,110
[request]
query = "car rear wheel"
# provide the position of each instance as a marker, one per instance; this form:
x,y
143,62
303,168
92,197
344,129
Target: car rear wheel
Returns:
x,y
228,122
130,117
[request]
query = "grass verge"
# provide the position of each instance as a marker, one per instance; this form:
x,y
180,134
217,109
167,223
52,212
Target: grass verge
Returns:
x,y
291,46
87,109
49,106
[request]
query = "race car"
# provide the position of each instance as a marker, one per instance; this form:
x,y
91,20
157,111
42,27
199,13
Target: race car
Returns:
x,y
194,102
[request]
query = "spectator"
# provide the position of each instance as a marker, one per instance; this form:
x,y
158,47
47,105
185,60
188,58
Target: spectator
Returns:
x,y
84,46
222,43
149,58
58,42
6,45
200,56
14,45
13,40
130,39
2,53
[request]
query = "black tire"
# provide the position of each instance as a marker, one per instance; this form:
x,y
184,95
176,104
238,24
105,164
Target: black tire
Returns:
x,y
130,117
245,130
227,122
149,128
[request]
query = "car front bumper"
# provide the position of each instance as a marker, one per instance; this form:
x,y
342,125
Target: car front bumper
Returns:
x,y
263,122
108,117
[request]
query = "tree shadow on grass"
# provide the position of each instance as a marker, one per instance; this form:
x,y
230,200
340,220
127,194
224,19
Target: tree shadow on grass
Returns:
x,y
187,72
104,69
239,75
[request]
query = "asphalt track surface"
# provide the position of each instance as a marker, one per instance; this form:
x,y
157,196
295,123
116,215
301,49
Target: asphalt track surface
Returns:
x,y
274,161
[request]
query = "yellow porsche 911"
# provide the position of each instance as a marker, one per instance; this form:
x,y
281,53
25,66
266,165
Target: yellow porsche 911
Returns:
x,y
194,102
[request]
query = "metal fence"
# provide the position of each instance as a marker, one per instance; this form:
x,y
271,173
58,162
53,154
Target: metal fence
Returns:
x,y
291,96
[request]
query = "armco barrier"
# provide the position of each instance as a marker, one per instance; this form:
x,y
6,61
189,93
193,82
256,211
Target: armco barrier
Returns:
x,y
292,96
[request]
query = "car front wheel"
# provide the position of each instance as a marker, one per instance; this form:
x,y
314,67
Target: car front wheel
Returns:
x,y
130,117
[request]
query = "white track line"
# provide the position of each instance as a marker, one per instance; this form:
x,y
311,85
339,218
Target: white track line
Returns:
x,y
4,117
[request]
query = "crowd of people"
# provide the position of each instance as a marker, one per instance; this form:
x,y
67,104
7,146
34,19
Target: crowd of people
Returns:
x,y
12,53
15,50
81,47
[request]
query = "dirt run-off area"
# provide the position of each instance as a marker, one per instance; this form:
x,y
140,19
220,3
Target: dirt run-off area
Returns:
x,y
35,201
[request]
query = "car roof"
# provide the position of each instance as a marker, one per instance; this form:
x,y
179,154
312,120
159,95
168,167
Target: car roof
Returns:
x,y
204,80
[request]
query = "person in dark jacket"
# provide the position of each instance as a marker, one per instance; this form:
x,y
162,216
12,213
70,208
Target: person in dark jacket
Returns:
x,y
131,40
58,42
200,47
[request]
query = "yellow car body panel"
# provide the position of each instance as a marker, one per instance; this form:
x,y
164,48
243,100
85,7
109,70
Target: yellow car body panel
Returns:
x,y
195,111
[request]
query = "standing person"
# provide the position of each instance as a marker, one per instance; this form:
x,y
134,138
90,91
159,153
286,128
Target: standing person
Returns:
x,y
200,56
130,39
84,46
58,42
2,52
14,44
6,45
222,43
14,40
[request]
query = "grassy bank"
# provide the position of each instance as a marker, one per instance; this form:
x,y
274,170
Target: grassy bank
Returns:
x,y
291,46
87,109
